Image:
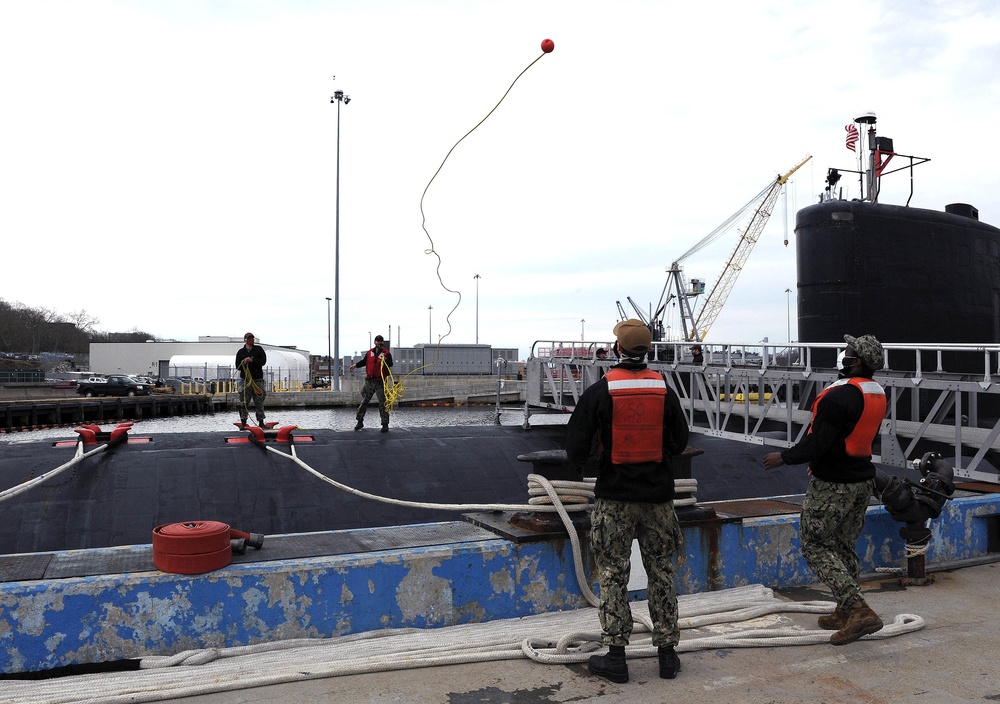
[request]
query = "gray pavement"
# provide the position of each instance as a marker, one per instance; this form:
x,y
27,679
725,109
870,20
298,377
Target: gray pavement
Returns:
x,y
953,659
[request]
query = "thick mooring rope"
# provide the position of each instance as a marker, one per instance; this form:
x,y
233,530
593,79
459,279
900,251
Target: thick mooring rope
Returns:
x,y
78,456
212,670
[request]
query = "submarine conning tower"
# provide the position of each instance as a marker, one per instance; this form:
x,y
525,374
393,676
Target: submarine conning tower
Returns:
x,y
901,273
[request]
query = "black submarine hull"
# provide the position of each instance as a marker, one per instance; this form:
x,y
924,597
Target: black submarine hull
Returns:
x,y
905,275
118,496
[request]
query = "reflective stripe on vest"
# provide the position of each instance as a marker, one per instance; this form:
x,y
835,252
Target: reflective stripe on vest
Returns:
x,y
637,415
859,442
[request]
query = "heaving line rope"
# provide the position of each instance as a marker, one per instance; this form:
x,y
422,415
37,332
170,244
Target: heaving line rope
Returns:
x,y
394,389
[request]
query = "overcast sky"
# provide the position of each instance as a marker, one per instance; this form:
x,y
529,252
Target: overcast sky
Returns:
x,y
171,166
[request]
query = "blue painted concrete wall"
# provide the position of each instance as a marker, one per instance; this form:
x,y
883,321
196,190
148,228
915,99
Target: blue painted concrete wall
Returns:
x,y
52,623
767,550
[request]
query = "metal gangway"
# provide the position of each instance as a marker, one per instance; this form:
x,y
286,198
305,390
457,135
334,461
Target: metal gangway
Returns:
x,y
941,397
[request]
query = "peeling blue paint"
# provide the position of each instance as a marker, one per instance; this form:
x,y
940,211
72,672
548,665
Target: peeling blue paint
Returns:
x,y
52,623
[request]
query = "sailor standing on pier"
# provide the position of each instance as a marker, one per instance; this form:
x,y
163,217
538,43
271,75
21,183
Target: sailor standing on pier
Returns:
x,y
838,447
641,425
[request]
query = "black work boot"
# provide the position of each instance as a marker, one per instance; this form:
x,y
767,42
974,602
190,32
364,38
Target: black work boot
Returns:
x,y
360,425
243,423
670,664
260,421
385,427
611,666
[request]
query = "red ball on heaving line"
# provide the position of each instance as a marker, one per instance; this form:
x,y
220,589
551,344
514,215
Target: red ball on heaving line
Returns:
x,y
548,45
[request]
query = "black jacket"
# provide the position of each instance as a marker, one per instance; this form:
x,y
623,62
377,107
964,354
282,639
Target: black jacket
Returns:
x,y
258,358
647,482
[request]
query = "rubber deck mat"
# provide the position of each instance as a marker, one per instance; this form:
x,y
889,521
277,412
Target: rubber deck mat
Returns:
x,y
17,568
753,508
139,558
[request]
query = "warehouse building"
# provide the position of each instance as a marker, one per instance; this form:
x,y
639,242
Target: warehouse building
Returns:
x,y
208,359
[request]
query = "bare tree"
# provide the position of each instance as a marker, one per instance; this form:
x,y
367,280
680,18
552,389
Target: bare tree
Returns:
x,y
84,321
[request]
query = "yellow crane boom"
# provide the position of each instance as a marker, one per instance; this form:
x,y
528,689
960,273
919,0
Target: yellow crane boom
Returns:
x,y
723,287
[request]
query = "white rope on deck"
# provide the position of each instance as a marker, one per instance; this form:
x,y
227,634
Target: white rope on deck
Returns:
x,y
572,489
199,672
546,496
77,457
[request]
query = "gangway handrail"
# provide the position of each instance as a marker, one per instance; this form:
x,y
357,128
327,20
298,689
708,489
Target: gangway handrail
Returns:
x,y
937,392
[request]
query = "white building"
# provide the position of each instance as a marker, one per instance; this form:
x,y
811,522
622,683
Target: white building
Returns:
x,y
209,358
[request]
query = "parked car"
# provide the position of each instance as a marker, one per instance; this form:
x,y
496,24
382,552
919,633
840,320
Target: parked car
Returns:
x,y
114,385
174,383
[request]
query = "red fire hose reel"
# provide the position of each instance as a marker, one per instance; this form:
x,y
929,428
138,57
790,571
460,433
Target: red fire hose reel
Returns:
x,y
195,547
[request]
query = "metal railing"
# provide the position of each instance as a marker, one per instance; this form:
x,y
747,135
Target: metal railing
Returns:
x,y
940,397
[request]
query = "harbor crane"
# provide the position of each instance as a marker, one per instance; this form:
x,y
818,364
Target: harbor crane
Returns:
x,y
695,327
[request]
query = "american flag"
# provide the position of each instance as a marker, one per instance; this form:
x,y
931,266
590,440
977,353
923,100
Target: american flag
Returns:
x,y
852,137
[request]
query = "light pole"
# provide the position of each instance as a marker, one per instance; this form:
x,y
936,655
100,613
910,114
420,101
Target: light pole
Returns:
x,y
430,340
788,313
338,98
369,339
582,321
477,277
329,357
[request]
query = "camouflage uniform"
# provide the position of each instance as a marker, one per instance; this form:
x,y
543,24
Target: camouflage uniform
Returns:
x,y
249,396
374,387
833,515
250,361
634,494
845,420
615,525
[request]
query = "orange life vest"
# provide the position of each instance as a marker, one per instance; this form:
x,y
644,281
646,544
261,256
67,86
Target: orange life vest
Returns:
x,y
637,415
859,442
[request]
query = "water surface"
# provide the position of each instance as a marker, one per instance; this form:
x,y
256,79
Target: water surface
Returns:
x,y
337,418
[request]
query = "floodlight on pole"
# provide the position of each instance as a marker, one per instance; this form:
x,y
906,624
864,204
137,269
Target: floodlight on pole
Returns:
x,y
338,97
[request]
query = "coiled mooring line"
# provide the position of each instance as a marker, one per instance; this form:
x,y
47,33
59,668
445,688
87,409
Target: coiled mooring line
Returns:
x,y
211,670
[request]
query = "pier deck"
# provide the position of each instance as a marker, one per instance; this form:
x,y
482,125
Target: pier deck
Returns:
x,y
942,663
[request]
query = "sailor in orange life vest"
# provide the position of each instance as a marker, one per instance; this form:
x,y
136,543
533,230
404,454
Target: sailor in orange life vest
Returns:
x,y
838,447
641,426
376,362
